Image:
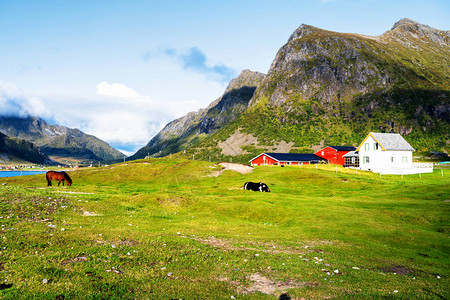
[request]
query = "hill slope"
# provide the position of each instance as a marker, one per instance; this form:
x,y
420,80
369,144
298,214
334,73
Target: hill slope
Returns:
x,y
326,87
333,87
21,151
193,127
58,142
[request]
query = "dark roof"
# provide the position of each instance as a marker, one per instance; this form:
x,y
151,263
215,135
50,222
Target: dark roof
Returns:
x,y
351,154
294,156
343,148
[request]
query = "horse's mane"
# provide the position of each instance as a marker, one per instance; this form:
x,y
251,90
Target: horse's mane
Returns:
x,y
67,177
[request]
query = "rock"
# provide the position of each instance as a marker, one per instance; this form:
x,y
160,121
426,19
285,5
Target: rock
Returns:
x,y
220,112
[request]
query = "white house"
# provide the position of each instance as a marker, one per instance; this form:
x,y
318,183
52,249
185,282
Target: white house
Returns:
x,y
388,153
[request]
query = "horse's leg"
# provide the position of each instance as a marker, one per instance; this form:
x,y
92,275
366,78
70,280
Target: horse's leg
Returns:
x,y
49,182
59,182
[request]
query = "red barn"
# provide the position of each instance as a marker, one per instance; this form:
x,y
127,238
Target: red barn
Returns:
x,y
334,154
285,159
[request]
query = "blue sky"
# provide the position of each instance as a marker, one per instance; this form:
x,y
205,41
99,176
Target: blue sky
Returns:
x,y
121,70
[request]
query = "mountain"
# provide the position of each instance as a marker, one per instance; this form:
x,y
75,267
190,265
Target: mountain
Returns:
x,y
58,142
326,87
21,151
186,131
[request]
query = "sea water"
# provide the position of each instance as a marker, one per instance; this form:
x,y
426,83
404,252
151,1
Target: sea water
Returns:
x,y
20,173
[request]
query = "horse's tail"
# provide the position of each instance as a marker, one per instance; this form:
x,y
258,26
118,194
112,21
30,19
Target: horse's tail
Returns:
x,y
48,177
68,179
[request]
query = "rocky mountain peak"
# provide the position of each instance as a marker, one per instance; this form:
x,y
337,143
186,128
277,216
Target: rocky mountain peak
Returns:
x,y
302,31
246,78
326,87
406,28
408,25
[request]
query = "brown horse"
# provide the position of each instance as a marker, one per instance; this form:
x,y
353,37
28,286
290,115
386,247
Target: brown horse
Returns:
x,y
60,176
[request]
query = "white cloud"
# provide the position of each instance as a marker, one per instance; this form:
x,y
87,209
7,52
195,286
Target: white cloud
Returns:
x,y
116,90
117,114
120,127
13,102
126,94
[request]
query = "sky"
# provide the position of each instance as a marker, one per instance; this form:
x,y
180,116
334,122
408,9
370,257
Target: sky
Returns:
x,y
121,70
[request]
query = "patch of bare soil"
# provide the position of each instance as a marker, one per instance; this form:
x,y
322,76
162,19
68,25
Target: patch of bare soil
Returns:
x,y
126,242
90,214
243,169
233,144
262,247
169,201
73,193
267,286
74,260
283,147
400,270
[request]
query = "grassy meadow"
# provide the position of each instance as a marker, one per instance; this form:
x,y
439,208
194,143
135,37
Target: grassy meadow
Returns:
x,y
166,229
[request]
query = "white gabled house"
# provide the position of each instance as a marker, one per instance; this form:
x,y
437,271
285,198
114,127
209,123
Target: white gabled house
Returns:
x,y
388,153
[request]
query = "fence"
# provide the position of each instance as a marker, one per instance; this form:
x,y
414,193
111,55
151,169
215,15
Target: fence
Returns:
x,y
423,165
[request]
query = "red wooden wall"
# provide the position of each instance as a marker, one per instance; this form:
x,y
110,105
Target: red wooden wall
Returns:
x,y
332,155
260,161
263,160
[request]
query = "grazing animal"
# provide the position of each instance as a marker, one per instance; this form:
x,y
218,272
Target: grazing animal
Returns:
x,y
256,186
59,176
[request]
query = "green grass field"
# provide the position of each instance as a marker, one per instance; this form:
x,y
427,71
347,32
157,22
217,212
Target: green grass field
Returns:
x,y
165,229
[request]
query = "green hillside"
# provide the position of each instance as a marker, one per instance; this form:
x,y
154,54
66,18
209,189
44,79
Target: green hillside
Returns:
x,y
166,229
397,82
330,88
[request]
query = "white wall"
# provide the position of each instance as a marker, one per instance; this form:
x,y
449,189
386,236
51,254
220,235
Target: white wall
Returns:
x,y
382,161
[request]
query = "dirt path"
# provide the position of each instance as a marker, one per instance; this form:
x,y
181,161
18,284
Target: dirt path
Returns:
x,y
243,169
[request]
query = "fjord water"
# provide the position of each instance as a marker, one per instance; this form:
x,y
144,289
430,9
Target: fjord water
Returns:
x,y
19,173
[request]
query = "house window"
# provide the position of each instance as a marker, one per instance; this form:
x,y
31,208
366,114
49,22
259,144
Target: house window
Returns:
x,y
404,159
353,160
323,153
366,159
375,146
392,159
366,146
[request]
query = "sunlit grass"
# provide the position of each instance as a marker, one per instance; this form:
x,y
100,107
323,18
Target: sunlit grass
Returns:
x,y
166,229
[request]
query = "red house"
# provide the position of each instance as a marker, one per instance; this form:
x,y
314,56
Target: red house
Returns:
x,y
334,154
285,159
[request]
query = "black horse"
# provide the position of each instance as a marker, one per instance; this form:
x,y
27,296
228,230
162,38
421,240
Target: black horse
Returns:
x,y
256,186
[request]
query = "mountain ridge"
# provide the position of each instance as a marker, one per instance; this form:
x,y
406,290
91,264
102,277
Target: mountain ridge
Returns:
x,y
14,150
183,132
329,87
59,142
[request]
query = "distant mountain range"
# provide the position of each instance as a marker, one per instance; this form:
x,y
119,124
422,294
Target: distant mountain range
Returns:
x,y
18,151
326,88
58,142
